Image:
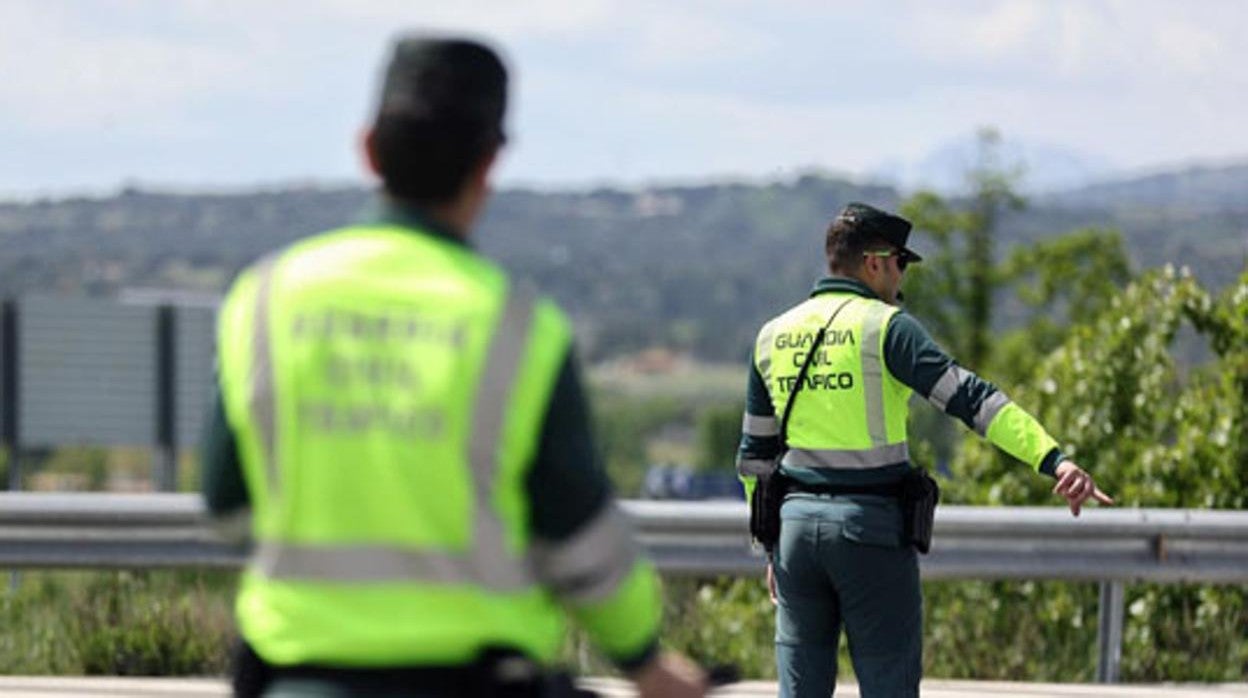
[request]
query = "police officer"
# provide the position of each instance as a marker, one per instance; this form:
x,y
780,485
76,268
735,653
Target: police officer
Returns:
x,y
841,557
404,423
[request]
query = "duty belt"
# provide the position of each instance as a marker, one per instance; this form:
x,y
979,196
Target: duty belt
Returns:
x,y
886,489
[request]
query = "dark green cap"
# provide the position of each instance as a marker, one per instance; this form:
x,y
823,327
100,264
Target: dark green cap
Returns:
x,y
867,222
445,80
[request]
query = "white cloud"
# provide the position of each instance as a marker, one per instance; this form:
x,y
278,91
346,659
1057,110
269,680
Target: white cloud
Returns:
x,y
1083,41
1192,50
1005,27
609,88
506,19
679,36
951,32
75,70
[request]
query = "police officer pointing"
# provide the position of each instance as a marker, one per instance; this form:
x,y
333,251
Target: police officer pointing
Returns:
x,y
843,557
404,423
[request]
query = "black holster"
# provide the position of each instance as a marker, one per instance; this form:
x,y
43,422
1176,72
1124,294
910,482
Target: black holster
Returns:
x,y
249,674
919,496
769,493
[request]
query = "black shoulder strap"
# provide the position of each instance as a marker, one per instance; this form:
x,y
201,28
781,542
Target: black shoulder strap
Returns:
x,y
801,375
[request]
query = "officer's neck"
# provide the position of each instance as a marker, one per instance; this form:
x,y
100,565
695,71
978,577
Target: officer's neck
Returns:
x,y
453,216
461,212
877,283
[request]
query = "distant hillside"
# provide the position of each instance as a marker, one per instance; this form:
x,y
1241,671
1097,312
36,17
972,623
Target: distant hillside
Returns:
x,y
1221,188
695,268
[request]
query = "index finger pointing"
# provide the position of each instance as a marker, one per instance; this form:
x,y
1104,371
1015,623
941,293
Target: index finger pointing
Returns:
x,y
1101,497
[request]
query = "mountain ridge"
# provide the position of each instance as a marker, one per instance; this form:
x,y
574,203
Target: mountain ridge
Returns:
x,y
692,267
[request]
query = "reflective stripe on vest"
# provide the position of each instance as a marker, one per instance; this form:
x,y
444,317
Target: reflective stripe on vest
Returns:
x,y
587,567
762,348
946,386
487,564
846,459
756,425
260,395
756,466
591,564
988,410
873,374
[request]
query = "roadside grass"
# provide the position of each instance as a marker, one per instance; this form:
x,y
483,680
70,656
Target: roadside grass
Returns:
x,y
126,623
180,623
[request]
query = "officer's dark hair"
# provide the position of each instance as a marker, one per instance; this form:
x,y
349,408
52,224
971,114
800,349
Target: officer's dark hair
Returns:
x,y
440,114
845,244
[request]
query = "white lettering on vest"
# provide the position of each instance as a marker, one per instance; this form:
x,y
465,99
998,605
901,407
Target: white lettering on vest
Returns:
x,y
374,370
399,325
351,420
818,381
831,338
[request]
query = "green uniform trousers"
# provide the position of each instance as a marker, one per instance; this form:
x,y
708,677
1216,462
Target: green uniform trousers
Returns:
x,y
841,560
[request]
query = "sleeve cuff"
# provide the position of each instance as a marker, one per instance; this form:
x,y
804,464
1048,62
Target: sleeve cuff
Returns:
x,y
631,665
1048,466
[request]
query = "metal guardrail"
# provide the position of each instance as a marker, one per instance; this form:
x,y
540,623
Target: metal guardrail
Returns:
x,y
1111,546
1160,545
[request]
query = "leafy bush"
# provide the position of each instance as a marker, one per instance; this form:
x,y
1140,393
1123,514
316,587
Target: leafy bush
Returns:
x,y
722,621
1155,436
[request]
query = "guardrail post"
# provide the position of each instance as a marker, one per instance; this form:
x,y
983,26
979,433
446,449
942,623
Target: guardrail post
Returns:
x,y
1109,633
9,406
166,475
9,392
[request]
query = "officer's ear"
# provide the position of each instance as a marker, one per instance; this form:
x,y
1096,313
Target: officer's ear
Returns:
x,y
870,265
479,176
368,146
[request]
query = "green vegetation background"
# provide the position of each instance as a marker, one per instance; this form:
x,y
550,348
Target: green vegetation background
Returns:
x,y
1141,375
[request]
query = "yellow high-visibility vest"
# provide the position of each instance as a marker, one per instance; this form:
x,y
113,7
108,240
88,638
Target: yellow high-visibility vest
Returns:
x,y
850,413
387,390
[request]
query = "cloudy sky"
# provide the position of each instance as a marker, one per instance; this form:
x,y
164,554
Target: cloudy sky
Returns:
x,y
194,94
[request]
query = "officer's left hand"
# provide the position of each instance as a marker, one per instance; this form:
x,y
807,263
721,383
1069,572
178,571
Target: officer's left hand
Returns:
x,y
771,585
671,675
1077,486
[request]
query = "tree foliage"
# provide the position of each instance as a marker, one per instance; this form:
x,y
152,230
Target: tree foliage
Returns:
x,y
1155,435
1118,403
961,280
719,433
1058,281
961,287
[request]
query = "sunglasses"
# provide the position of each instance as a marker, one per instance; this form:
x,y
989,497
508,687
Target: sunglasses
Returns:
x,y
903,258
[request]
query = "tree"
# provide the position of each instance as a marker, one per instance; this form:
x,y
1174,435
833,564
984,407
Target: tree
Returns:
x,y
1060,281
1155,434
960,289
719,430
954,289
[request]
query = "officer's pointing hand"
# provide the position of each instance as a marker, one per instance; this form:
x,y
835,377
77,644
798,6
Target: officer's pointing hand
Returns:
x,y
1077,486
671,675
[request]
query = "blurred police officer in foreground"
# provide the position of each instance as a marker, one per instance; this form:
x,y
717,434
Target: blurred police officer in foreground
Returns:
x,y
843,555
406,424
